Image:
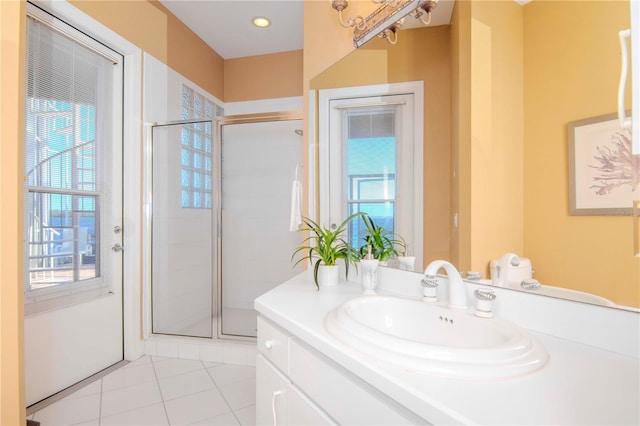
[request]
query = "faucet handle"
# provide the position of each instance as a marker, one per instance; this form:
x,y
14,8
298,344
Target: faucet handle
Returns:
x,y
429,288
485,298
530,284
484,294
430,281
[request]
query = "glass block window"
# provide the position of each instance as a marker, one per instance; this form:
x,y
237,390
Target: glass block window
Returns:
x,y
197,149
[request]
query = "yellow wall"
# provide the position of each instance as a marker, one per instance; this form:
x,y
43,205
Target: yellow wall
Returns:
x,y
496,175
461,134
487,140
379,62
167,39
589,253
277,75
12,102
150,26
325,43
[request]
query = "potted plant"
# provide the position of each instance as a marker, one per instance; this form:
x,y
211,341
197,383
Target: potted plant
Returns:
x,y
323,247
383,243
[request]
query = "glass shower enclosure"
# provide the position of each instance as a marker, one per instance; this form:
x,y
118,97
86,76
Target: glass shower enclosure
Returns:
x,y
220,204
260,155
182,233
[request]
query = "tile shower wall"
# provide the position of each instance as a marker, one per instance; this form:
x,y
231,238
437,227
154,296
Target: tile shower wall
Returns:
x,y
258,167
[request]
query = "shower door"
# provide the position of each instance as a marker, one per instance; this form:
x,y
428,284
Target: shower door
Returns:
x,y
183,203
260,155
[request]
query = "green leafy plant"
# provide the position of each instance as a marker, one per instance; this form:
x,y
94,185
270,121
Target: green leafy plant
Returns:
x,y
326,246
383,243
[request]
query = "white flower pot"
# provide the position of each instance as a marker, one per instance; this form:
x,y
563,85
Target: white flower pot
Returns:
x,y
328,275
406,262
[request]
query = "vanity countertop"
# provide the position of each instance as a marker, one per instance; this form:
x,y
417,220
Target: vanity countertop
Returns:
x,y
580,384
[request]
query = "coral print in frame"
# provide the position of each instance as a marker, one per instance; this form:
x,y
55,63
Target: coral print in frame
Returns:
x,y
603,174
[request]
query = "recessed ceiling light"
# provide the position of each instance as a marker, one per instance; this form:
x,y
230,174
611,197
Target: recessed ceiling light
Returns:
x,y
261,22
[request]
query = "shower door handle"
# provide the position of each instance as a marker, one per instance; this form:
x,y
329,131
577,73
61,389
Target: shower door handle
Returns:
x,y
117,248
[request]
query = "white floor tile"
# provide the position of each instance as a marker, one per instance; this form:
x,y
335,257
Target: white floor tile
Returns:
x,y
246,416
70,411
170,367
144,359
193,408
184,384
130,398
239,394
149,415
229,373
129,376
222,420
160,391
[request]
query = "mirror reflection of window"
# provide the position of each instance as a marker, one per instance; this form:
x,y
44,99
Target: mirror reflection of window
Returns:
x,y
368,146
369,149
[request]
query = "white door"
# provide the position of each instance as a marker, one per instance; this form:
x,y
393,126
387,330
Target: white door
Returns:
x,y
370,155
73,207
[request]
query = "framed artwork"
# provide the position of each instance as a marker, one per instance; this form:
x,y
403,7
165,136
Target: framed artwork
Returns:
x,y
603,174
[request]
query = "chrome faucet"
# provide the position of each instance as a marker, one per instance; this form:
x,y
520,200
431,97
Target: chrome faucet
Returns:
x,y
457,289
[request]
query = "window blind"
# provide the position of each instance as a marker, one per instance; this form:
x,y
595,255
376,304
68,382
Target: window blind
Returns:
x,y
69,108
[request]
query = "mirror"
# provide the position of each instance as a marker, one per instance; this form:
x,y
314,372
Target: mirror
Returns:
x,y
502,84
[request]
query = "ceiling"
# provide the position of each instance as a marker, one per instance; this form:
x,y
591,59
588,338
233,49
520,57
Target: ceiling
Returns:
x,y
226,25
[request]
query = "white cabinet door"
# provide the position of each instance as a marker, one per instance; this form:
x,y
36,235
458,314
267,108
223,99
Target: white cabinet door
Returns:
x,y
301,411
346,398
278,402
271,394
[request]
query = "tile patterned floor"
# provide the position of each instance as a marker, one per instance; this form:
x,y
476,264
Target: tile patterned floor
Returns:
x,y
160,391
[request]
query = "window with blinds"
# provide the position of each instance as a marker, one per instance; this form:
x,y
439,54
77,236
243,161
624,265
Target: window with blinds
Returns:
x,y
69,112
369,162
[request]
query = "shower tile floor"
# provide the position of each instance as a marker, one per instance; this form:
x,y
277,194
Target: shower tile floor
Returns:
x,y
160,391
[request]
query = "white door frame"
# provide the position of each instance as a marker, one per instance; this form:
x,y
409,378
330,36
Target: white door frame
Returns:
x,y
415,88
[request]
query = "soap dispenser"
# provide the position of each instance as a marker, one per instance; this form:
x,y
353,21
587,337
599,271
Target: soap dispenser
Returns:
x,y
368,267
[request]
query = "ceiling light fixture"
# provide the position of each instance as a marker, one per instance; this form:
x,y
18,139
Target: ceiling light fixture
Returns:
x,y
261,22
386,20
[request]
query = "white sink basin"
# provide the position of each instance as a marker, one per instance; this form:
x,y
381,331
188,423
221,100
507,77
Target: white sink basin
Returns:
x,y
423,337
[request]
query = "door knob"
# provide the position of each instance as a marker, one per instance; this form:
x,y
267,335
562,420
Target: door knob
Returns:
x,y
117,248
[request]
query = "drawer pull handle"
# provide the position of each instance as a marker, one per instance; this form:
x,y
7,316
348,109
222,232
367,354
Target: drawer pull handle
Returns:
x,y
273,407
270,343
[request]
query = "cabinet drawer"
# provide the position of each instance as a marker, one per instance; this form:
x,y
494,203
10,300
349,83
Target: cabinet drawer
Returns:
x,y
273,343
